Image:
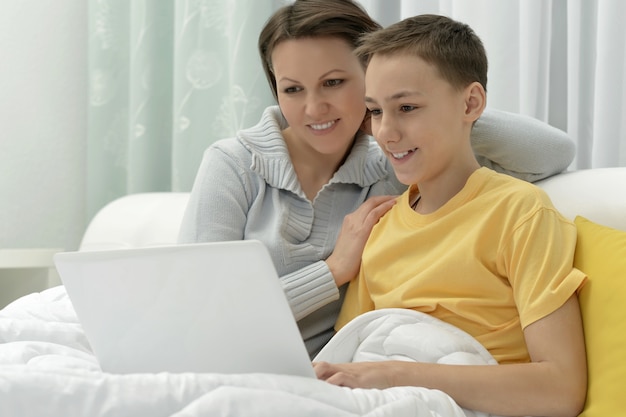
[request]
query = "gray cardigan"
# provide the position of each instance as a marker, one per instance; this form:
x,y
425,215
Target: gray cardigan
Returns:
x,y
246,188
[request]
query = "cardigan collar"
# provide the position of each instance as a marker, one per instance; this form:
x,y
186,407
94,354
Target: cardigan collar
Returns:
x,y
364,166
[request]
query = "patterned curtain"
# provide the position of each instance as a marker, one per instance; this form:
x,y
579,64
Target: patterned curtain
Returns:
x,y
166,79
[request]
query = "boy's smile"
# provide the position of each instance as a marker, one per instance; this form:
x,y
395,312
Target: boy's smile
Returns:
x,y
401,155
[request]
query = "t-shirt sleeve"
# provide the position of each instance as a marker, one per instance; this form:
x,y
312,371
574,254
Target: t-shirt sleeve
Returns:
x,y
539,263
356,302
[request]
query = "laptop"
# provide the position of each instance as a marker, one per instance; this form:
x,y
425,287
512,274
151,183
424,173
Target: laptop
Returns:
x,y
208,307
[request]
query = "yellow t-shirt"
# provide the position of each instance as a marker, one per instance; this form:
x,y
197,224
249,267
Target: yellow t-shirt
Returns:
x,y
495,258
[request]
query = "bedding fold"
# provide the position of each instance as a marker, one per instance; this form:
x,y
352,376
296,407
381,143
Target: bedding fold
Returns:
x,y
47,368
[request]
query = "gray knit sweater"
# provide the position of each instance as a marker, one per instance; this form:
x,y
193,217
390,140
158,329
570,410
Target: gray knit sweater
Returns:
x,y
246,188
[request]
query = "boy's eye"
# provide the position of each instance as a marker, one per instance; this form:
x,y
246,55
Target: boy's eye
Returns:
x,y
332,83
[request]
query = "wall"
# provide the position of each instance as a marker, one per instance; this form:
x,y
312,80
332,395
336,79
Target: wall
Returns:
x,y
43,130
43,122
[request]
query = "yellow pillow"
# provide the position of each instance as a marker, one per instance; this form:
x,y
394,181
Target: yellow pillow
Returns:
x,y
601,254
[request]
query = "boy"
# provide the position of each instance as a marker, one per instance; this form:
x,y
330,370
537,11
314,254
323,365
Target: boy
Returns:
x,y
477,249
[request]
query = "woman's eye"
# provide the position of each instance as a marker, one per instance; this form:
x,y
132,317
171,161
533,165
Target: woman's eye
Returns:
x,y
374,112
406,108
291,90
333,83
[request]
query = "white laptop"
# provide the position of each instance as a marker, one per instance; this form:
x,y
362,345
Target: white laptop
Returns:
x,y
208,307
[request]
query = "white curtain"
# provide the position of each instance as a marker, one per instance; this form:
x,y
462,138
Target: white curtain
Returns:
x,y
560,61
167,79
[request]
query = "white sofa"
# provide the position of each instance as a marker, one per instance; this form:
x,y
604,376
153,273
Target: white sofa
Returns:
x,y
598,195
153,219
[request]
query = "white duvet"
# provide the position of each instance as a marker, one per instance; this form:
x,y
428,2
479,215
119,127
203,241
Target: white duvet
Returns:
x,y
47,369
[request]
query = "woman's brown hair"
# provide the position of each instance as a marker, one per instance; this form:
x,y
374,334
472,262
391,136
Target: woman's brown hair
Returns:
x,y
344,19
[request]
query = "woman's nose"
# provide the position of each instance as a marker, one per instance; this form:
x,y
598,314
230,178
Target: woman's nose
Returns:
x,y
316,105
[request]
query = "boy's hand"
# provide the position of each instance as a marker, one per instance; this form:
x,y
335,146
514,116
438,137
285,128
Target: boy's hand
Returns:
x,y
357,374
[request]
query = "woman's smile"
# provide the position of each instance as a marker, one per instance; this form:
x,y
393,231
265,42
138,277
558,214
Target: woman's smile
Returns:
x,y
319,127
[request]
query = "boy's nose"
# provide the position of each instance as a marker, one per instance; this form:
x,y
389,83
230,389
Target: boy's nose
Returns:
x,y
385,132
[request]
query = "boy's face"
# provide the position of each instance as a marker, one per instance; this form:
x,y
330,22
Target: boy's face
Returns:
x,y
418,118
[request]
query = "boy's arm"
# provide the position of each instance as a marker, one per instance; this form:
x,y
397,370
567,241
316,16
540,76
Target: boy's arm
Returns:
x,y
553,384
520,145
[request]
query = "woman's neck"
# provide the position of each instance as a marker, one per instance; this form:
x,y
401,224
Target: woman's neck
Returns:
x,y
314,169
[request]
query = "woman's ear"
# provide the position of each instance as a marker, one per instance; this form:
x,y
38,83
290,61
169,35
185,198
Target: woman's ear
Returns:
x,y
475,101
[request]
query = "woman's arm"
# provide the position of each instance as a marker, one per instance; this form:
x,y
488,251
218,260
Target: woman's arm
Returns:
x,y
218,203
520,145
218,210
552,384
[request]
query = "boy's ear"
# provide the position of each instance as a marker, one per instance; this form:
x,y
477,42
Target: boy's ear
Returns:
x,y
366,125
475,101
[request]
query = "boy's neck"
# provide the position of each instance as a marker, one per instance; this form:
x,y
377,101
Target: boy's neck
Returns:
x,y
438,191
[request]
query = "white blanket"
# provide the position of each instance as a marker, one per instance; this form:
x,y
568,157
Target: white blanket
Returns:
x,y
47,369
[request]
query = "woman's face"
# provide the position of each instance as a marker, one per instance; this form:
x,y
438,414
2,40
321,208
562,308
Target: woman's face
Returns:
x,y
320,88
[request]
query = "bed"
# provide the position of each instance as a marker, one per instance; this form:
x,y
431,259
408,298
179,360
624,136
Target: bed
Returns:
x,y
48,369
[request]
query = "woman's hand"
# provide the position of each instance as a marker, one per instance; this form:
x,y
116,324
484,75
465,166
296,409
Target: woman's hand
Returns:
x,y
345,260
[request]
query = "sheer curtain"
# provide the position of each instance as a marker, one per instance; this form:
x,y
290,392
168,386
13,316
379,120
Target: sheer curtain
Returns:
x,y
169,78
166,79
560,61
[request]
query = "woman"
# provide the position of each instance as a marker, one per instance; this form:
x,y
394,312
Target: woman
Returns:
x,y
301,179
